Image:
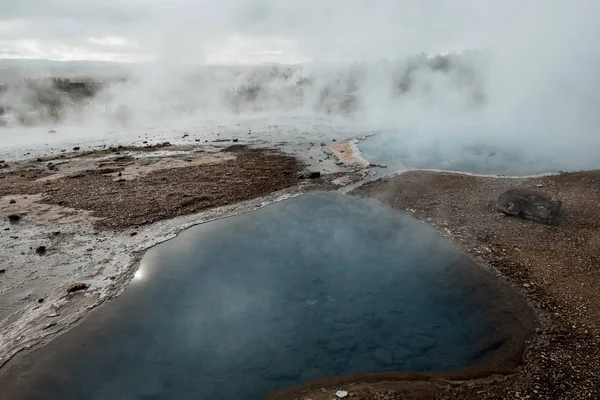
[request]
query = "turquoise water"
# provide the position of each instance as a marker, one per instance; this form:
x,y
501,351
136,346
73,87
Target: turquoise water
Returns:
x,y
315,286
401,150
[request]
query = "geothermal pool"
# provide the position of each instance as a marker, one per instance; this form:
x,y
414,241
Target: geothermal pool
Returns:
x,y
399,151
320,285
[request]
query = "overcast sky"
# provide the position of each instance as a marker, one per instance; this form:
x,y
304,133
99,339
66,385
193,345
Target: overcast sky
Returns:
x,y
248,31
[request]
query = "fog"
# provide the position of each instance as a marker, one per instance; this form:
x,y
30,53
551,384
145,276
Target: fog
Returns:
x,y
521,76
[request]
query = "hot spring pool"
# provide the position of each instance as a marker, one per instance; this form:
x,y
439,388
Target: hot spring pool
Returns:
x,y
399,151
320,285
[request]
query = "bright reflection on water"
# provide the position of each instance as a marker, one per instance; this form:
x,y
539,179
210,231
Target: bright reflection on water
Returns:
x,y
319,285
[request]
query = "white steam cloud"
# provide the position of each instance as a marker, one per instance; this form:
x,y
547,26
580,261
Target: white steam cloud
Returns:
x,y
525,76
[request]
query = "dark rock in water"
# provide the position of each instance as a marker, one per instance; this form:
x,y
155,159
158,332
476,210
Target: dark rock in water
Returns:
x,y
309,175
76,148
41,250
12,201
51,166
3,270
14,218
529,204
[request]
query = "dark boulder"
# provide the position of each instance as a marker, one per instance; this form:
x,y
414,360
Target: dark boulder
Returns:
x,y
77,286
309,175
529,204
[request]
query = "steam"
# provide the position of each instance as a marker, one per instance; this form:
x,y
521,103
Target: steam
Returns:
x,y
520,76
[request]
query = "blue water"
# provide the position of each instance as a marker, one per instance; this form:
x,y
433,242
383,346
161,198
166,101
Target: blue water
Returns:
x,y
401,150
320,285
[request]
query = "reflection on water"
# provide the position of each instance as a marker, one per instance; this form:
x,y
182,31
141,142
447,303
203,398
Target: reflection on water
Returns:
x,y
319,285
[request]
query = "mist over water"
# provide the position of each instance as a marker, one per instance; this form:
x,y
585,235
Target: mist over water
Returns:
x,y
320,285
520,79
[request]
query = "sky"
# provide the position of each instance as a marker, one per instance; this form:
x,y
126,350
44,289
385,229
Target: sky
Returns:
x,y
540,75
283,31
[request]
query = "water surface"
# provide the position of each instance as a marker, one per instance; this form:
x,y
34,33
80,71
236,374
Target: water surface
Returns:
x,y
320,285
402,150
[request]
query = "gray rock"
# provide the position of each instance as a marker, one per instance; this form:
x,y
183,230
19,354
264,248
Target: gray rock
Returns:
x,y
529,204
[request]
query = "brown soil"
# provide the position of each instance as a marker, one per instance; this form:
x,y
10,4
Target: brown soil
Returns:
x,y
161,191
557,268
347,155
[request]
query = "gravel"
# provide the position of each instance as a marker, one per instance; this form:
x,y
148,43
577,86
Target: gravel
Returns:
x,y
557,268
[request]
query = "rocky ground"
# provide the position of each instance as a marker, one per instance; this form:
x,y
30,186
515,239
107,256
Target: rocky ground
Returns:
x,y
85,218
557,268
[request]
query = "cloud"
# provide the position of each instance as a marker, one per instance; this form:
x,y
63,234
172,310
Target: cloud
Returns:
x,y
329,31
536,74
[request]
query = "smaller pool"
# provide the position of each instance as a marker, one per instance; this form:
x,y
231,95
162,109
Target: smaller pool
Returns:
x,y
320,285
399,151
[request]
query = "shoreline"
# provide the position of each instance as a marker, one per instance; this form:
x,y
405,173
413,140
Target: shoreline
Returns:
x,y
486,380
563,361
99,247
